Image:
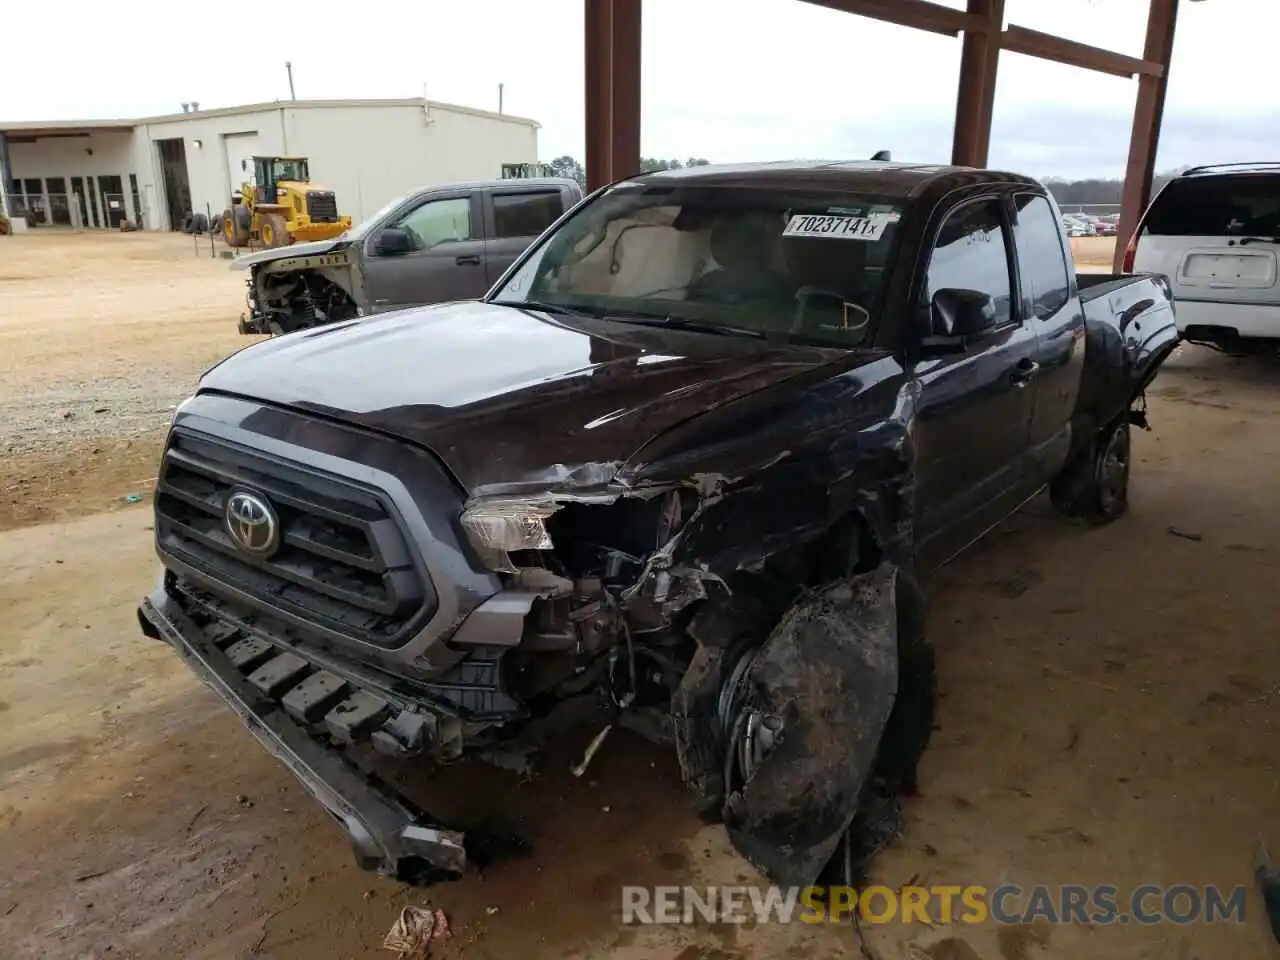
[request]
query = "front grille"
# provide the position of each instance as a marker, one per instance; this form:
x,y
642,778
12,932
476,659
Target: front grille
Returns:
x,y
322,206
342,562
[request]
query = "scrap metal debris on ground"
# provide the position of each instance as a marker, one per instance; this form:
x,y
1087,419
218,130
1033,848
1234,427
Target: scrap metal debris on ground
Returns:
x,y
413,931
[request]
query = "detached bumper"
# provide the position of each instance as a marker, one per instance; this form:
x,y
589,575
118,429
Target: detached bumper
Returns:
x,y
388,833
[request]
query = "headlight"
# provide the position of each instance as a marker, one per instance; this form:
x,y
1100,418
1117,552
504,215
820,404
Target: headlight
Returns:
x,y
496,527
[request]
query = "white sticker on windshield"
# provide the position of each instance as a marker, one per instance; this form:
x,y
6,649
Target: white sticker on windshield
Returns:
x,y
844,228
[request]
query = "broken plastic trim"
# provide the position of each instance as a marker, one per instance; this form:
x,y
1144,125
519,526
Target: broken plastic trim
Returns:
x,y
496,526
387,833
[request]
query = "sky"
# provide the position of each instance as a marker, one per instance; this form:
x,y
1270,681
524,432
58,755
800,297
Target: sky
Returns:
x,y
729,80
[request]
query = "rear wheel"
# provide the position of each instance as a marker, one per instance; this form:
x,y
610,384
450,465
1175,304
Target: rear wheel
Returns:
x,y
1094,487
274,231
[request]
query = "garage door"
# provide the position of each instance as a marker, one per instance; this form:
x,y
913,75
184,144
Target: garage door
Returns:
x,y
238,147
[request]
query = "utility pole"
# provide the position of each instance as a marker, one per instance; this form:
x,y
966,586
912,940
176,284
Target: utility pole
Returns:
x,y
288,66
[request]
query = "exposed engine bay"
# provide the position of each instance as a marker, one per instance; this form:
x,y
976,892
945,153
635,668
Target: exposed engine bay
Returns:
x,y
778,682
299,292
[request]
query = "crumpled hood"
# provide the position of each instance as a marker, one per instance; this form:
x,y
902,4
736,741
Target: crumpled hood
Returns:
x,y
509,397
308,249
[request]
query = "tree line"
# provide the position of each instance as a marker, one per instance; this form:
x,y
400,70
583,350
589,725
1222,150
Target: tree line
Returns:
x,y
1097,190
570,168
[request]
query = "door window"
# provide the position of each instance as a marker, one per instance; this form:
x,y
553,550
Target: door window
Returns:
x,y
1042,263
437,222
971,253
525,214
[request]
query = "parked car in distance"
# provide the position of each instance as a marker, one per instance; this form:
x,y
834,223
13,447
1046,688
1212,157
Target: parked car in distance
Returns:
x,y
1107,224
1215,232
1077,226
449,242
691,457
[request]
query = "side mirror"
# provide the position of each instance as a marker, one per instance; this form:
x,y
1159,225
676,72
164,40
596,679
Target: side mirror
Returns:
x,y
957,316
958,312
393,241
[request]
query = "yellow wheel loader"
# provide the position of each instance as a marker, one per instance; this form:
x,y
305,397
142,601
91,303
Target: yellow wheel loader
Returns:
x,y
281,204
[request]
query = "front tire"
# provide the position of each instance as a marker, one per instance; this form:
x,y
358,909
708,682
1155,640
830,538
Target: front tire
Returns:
x,y
274,232
1094,487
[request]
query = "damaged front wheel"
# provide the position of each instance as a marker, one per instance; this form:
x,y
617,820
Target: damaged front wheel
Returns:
x,y
808,713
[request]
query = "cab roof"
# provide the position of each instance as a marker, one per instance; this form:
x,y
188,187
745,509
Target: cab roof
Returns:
x,y
888,178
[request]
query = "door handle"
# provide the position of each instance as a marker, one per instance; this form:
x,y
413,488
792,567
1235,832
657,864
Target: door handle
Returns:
x,y
1024,373
470,260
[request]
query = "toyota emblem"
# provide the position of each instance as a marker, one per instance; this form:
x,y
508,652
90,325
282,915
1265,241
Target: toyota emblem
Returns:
x,y
252,523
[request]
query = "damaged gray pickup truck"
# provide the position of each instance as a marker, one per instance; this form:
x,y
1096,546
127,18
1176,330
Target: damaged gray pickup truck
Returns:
x,y
693,455
435,244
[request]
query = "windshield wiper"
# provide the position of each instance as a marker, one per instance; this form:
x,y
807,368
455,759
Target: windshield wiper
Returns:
x,y
556,308
1245,240
694,326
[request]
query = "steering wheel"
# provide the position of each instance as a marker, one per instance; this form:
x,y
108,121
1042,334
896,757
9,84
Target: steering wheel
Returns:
x,y
849,324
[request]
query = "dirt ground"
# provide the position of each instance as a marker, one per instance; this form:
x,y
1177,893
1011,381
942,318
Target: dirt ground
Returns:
x,y
1108,712
100,337
1093,254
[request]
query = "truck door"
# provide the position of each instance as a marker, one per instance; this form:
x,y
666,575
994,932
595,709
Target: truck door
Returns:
x,y
514,218
974,409
445,256
1046,279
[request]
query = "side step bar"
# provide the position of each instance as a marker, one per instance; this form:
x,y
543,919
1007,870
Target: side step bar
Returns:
x,y
389,834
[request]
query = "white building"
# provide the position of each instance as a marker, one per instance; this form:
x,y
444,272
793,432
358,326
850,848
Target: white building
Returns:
x,y
94,173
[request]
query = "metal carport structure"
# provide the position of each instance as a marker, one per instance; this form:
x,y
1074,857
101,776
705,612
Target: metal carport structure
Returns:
x,y
613,81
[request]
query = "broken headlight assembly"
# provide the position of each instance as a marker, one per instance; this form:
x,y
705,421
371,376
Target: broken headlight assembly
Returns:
x,y
495,528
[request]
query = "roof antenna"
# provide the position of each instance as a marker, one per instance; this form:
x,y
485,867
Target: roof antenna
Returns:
x,y
882,155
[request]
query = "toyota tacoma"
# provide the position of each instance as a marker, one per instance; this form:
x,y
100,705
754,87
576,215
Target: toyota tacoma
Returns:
x,y
694,454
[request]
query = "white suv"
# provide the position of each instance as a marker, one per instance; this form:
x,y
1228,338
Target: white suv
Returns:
x,y
1215,233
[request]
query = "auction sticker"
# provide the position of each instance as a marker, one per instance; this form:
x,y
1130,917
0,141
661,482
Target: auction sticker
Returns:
x,y
844,228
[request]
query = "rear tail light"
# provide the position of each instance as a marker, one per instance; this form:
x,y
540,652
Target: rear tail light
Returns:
x,y
1126,265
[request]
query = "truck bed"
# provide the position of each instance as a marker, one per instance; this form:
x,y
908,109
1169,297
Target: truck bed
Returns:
x,y
1094,285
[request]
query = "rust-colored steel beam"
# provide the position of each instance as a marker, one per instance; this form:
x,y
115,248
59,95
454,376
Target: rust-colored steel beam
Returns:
x,y
1033,43
917,14
612,59
1148,113
976,93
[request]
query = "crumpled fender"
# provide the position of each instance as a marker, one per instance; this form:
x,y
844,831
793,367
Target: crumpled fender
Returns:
x,y
829,671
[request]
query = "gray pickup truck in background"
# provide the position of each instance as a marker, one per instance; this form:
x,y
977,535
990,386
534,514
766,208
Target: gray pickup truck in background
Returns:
x,y
440,243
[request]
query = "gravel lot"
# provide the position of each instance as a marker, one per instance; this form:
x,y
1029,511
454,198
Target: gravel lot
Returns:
x,y
101,334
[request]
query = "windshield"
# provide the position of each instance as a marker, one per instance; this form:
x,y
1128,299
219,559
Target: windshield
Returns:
x,y
289,170
756,260
368,223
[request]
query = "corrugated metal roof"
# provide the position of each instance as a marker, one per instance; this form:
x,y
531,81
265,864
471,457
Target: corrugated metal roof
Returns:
x,y
30,128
